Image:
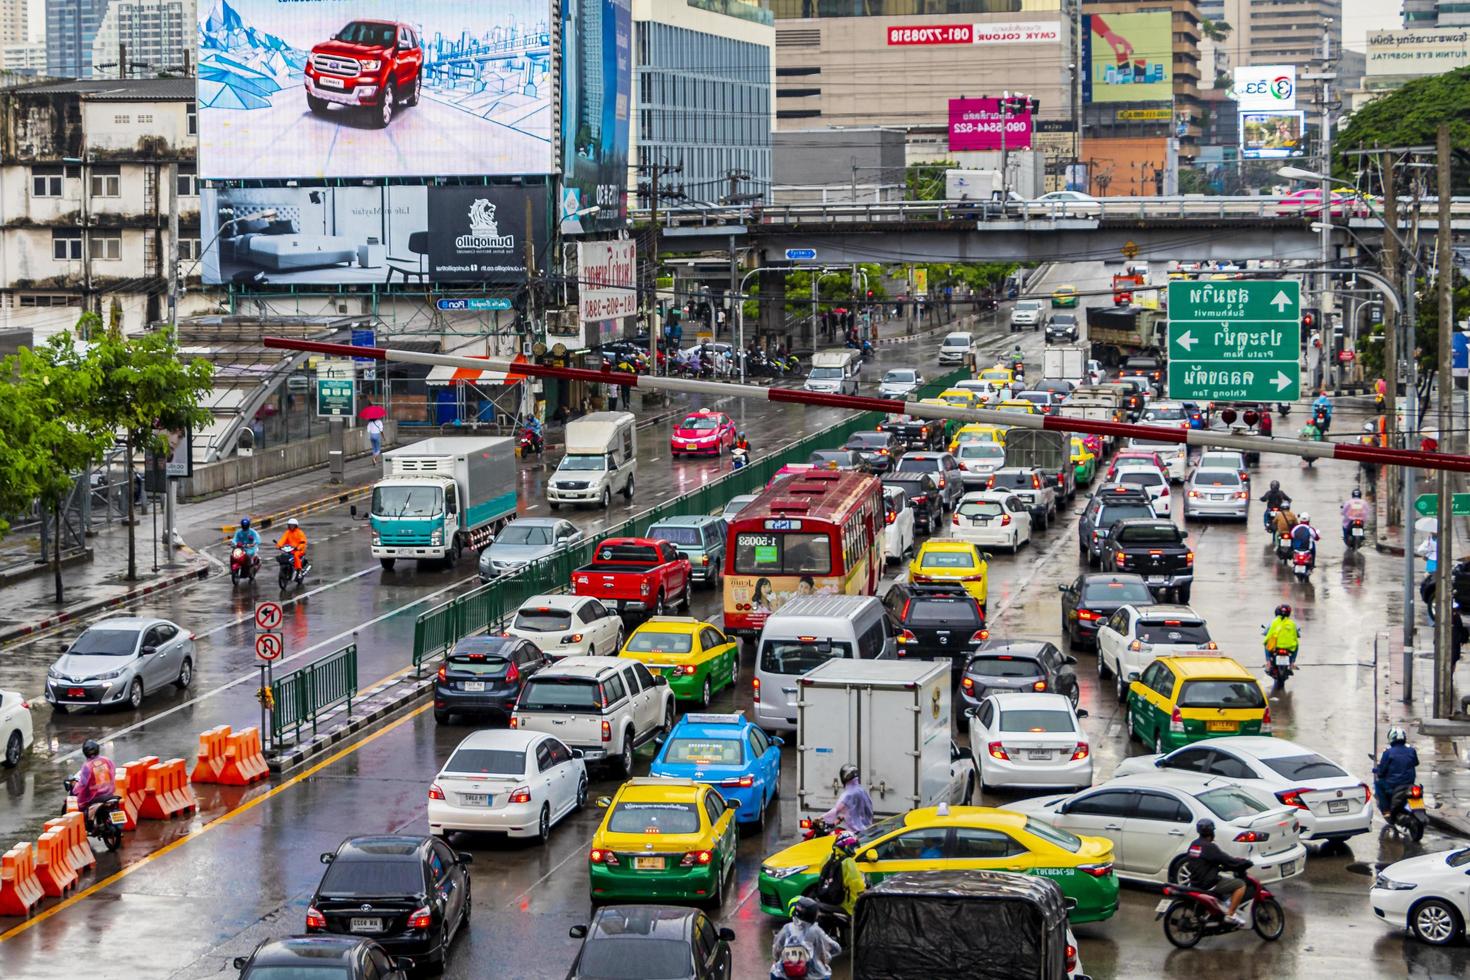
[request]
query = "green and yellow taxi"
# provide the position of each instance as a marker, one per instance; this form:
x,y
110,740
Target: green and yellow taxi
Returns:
x,y
695,657
1084,462
1184,699
1064,297
1018,405
1003,376
949,560
663,839
978,432
956,838
960,398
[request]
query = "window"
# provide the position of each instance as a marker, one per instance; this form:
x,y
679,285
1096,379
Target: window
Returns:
x,y
192,115
1233,768
972,843
1110,803
189,248
46,181
145,119
758,742
560,754
66,243
924,844
645,679
871,643
1191,760
1156,806
187,182
51,299
543,757
106,182
122,120
714,806
613,689
105,245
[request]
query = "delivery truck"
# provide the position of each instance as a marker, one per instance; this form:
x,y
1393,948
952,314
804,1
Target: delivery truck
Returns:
x,y
442,495
1119,332
1048,451
891,719
1066,361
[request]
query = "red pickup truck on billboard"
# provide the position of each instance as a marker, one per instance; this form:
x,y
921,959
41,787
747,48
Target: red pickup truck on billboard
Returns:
x,y
635,575
369,64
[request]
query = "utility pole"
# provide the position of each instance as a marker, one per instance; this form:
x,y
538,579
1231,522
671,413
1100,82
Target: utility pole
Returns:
x,y
1391,261
1449,439
169,529
1324,294
654,172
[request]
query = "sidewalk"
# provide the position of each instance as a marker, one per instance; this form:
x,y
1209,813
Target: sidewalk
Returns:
x,y
1443,747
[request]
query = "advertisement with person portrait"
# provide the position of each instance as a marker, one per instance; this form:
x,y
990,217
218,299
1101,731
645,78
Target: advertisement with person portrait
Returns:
x,y
597,88
373,88
492,234
1128,57
1272,135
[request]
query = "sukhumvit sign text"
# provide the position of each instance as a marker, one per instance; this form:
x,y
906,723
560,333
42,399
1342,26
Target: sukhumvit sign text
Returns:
x,y
1020,32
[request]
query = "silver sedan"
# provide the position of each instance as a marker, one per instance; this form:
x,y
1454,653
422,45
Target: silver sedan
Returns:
x,y
118,661
1216,493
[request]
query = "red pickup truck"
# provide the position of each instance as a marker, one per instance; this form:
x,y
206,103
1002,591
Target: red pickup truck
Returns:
x,y
635,575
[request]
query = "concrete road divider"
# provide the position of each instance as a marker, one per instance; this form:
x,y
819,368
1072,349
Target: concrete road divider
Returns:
x,y
131,781
53,864
73,826
20,888
244,760
166,792
211,758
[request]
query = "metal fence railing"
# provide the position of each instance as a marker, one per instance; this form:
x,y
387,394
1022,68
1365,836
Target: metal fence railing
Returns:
x,y
490,606
302,696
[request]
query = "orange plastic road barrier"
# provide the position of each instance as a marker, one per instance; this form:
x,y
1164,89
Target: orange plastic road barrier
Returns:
x,y
20,889
211,757
74,827
131,781
166,792
53,864
244,760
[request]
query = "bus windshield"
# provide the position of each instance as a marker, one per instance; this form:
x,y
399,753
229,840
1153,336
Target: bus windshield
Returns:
x,y
782,553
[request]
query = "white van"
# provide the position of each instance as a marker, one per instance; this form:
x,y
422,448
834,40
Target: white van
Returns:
x,y
808,631
602,456
834,371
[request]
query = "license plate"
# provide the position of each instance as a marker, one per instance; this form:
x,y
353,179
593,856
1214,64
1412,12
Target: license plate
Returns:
x,y
690,445
331,82
1039,755
474,685
1415,804
1163,906
648,864
1357,532
1288,868
1283,660
1221,726
118,818
1337,806
75,692
475,799
366,925
1157,579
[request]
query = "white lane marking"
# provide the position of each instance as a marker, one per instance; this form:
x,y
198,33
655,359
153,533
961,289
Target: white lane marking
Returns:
x,y
1114,728
580,852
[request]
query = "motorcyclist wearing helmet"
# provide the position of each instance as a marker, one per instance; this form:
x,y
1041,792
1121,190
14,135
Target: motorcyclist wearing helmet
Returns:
x,y
1322,408
1274,498
854,808
1353,509
840,882
1396,769
741,442
802,948
295,539
1281,635
95,780
1204,860
247,537
1304,537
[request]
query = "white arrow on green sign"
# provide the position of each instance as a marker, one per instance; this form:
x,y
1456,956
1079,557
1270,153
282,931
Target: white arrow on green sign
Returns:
x,y
1235,340
1428,504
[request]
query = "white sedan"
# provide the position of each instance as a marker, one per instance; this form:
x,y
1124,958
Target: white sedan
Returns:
x,y
1070,204
15,727
569,626
1426,894
508,781
1028,740
1148,479
1331,804
978,460
993,518
1150,821
898,526
1130,639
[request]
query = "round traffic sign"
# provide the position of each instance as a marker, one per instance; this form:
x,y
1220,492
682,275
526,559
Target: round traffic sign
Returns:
x,y
268,615
268,646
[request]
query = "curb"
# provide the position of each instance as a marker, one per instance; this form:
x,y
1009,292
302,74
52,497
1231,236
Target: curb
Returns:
x,y
310,507
198,572
1449,825
364,716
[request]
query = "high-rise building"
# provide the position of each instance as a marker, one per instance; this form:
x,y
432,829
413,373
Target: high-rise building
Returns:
x,y
23,58
1436,13
71,26
14,21
152,34
1291,32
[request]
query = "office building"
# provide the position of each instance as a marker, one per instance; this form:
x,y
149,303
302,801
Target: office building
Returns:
x,y
703,75
23,58
1436,13
1291,32
15,23
71,27
153,35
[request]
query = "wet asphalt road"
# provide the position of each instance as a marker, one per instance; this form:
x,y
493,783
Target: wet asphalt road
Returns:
x,y
187,910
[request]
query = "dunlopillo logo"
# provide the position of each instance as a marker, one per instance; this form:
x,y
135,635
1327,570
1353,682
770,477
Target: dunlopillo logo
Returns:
x,y
484,229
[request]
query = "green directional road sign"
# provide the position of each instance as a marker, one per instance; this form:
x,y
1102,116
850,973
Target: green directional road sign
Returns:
x,y
1236,340
1428,504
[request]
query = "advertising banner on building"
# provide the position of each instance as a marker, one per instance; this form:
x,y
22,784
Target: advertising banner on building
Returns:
x,y
378,234
975,124
1265,88
1128,57
1418,52
1006,32
1270,135
487,234
374,88
597,88
607,280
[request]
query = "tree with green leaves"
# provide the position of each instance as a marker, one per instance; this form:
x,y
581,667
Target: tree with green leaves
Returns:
x,y
925,181
1410,116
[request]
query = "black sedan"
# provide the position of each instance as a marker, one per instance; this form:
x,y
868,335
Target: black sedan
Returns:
x,y
1062,329
935,621
1088,600
1017,665
483,676
631,942
842,459
878,450
323,957
410,894
923,492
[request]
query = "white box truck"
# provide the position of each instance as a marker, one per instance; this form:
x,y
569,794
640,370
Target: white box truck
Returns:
x,y
442,495
1066,361
891,719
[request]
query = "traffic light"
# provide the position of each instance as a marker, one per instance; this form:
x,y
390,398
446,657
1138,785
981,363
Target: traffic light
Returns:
x,y
1309,320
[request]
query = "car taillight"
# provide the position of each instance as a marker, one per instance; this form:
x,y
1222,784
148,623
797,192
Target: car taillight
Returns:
x,y
26,705
1251,837
1005,519
755,689
1039,686
696,857
741,782
941,483
997,751
687,670
1096,870
1240,495
979,636
598,856
907,636
571,638
1189,558
314,918
1071,958
968,683
1368,793
1088,615
1164,492
1081,751
1035,481
443,671
1121,560
422,918
1266,721
1292,797
435,792
1176,721
1136,646
512,673
888,517
606,732
643,587
515,722
521,794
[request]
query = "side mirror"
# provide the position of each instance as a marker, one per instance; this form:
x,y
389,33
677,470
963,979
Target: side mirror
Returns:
x,y
727,934
1061,588
465,857
870,856
328,857
577,753
240,962
603,802
777,741
149,650
490,540
1070,903
577,932
1069,659
661,681
1081,712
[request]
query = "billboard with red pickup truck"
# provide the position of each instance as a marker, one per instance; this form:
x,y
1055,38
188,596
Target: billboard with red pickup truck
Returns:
x,y
636,575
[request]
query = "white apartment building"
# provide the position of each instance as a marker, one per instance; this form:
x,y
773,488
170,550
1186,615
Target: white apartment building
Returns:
x,y
153,35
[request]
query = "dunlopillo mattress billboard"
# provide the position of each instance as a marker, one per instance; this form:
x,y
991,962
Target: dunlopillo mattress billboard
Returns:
x,y
394,236
374,88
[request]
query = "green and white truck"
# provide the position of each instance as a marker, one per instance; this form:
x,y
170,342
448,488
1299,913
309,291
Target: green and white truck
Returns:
x,y
442,495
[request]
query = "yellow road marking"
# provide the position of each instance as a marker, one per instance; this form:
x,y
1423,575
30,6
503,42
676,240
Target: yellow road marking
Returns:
x,y
217,821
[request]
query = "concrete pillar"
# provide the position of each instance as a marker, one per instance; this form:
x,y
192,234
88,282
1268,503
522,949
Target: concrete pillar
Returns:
x,y
772,319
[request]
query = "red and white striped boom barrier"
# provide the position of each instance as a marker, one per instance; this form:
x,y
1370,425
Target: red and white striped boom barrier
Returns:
x,y
520,368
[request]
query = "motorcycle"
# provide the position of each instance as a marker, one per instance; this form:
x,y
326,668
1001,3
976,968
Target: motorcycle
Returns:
x,y
1301,563
1270,519
104,818
530,441
738,459
289,575
1322,420
1280,664
243,565
1355,535
1406,812
1283,547
1190,914
1283,408
814,827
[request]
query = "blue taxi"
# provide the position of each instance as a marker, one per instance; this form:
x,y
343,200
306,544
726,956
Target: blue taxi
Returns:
x,y
726,751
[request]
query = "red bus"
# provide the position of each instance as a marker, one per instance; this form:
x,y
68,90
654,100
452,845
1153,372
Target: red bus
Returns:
x,y
816,531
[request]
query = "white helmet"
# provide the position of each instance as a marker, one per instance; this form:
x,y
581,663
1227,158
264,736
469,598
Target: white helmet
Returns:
x,y
1397,734
293,522
1304,518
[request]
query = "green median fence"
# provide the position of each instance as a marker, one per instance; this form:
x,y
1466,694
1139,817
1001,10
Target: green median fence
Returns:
x,y
490,606
303,696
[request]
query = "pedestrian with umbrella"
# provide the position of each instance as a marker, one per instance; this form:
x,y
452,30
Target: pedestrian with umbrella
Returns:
x,y
374,415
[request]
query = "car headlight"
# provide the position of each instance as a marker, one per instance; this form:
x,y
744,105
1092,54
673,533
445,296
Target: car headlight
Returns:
x,y
779,873
53,673
111,675
370,65
377,538
436,538
1389,885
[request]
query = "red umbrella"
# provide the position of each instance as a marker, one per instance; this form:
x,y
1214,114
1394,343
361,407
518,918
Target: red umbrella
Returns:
x,y
373,412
